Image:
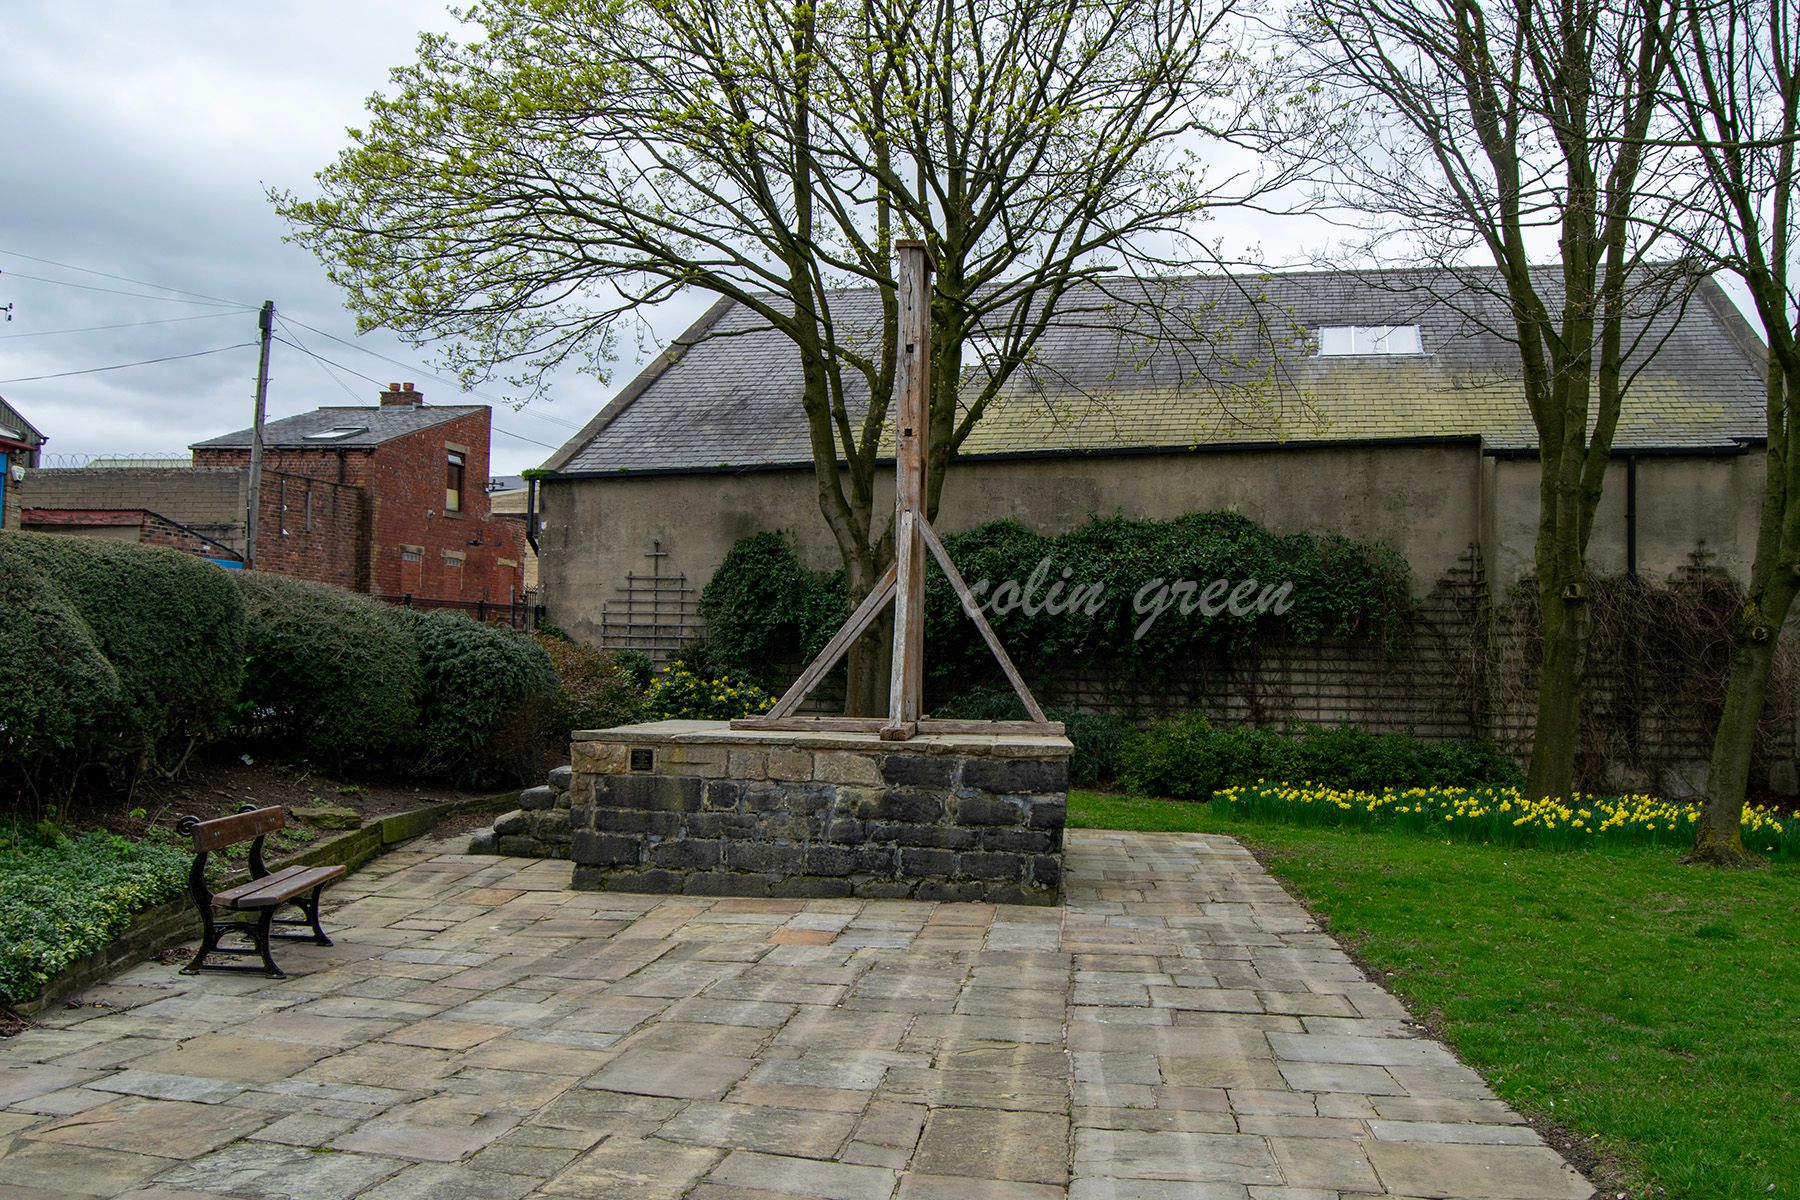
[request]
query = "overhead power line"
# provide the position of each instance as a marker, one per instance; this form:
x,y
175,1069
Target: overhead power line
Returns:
x,y
161,287
316,360
428,374
144,362
89,287
323,361
212,316
328,361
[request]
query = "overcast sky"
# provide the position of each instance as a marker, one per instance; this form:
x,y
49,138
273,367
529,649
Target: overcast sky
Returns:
x,y
140,140
140,143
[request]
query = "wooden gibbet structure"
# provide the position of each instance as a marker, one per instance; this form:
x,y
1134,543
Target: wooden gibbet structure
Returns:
x,y
903,583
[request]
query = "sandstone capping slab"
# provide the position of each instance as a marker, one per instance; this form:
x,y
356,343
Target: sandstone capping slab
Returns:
x,y
712,810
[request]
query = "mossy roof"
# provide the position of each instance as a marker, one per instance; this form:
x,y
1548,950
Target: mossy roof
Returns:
x,y
1242,372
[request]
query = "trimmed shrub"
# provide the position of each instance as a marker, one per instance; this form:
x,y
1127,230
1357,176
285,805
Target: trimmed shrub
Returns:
x,y
1097,737
593,689
57,691
488,692
1190,760
170,626
60,902
333,677
765,611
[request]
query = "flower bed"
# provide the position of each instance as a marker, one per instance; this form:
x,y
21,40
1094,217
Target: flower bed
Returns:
x,y
1502,815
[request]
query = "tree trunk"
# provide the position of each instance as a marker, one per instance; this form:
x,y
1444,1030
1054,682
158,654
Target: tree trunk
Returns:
x,y
870,663
869,660
1563,610
1718,837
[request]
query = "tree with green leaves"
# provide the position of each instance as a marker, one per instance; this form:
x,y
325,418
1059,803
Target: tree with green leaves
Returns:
x,y
1735,89
523,194
1511,144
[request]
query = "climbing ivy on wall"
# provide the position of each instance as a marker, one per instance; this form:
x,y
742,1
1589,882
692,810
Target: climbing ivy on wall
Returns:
x,y
1137,597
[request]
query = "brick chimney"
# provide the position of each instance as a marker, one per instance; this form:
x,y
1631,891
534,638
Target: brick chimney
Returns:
x,y
402,395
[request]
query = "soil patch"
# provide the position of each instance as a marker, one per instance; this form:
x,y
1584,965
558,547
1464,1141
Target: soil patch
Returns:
x,y
219,786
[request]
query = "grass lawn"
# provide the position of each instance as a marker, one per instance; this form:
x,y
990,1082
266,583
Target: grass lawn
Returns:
x,y
1651,1007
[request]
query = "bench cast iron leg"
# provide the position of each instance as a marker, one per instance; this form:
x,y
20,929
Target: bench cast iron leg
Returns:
x,y
311,909
209,941
262,944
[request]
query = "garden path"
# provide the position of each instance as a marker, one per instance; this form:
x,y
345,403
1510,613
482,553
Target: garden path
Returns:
x,y
1179,1030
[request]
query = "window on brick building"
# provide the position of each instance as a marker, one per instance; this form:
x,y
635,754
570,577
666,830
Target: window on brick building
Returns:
x,y
412,553
453,484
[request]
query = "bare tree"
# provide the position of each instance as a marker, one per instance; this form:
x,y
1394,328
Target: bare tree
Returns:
x,y
1482,130
1735,88
524,194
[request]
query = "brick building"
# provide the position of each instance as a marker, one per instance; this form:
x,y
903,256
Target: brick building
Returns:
x,y
389,500
129,525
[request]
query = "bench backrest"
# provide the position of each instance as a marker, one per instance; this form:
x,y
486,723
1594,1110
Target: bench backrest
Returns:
x,y
239,827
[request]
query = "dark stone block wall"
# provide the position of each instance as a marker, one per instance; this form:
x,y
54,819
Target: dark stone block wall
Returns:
x,y
940,822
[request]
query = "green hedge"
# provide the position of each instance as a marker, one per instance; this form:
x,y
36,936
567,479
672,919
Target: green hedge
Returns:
x,y
350,684
487,696
57,691
1189,759
1098,738
61,902
764,609
170,629
766,612
333,677
594,689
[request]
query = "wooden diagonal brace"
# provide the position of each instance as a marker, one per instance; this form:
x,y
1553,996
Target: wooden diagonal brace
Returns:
x,y
974,611
859,621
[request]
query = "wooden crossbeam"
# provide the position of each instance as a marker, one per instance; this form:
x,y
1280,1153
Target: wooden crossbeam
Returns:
x,y
925,725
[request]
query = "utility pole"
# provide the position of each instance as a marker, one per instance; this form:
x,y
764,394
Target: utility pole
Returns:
x,y
266,322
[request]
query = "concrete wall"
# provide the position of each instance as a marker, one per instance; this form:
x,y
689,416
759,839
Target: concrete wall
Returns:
x,y
110,533
1683,504
1429,502
1420,499
210,502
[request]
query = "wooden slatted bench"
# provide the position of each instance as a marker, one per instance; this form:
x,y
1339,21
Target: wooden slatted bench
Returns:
x,y
258,898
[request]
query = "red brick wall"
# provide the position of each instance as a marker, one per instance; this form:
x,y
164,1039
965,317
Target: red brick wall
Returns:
x,y
313,528
159,531
400,489
407,479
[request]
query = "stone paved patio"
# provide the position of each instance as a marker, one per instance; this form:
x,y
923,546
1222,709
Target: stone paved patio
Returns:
x,y
1179,1030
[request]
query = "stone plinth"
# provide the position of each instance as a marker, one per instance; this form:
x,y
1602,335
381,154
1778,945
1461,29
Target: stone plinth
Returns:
x,y
701,808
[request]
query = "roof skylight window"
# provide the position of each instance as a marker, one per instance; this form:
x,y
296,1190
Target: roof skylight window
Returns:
x,y
1347,341
336,433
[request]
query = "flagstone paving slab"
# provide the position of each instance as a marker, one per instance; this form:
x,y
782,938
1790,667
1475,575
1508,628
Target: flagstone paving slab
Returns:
x,y
1179,1029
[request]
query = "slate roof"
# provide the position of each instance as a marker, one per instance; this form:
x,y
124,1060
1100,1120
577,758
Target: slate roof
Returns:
x,y
1101,382
378,424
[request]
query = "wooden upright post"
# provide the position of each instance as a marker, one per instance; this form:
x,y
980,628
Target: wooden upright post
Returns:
x,y
903,583
265,321
913,385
